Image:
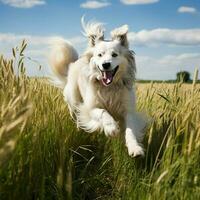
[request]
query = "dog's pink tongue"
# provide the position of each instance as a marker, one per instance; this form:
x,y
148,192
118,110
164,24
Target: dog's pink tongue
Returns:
x,y
107,77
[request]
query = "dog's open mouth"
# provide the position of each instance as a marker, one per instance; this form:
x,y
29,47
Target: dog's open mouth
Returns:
x,y
107,76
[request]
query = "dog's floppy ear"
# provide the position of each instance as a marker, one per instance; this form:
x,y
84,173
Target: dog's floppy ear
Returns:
x,y
94,31
120,34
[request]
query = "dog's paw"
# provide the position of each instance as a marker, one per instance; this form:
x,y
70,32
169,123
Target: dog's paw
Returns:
x,y
135,151
110,126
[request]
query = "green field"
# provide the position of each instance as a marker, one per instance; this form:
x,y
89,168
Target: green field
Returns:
x,y
44,156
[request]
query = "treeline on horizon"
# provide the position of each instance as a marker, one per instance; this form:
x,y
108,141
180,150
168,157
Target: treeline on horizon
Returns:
x,y
182,76
164,81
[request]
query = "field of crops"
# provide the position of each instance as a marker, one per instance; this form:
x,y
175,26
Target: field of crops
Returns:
x,y
44,156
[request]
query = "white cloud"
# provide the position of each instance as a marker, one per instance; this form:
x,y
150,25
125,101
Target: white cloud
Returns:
x,y
94,4
183,60
166,67
23,3
134,2
186,9
36,40
188,37
37,49
37,45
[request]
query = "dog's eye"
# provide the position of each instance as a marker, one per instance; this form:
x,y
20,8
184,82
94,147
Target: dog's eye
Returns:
x,y
114,55
100,55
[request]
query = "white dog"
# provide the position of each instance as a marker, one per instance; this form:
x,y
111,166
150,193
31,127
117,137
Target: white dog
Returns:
x,y
98,86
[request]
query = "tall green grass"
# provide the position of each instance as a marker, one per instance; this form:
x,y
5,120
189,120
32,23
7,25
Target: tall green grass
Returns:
x,y
44,156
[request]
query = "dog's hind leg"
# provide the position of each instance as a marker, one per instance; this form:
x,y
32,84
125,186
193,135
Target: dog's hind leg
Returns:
x,y
97,119
72,97
110,126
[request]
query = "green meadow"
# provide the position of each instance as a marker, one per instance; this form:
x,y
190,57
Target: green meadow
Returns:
x,y
44,156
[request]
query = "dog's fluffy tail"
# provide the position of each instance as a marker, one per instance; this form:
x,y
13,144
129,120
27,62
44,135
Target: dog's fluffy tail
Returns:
x,y
61,55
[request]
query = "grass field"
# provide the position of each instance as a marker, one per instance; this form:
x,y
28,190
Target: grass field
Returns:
x,y
44,156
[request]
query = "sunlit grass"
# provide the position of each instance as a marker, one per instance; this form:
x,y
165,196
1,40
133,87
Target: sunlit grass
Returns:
x,y
44,156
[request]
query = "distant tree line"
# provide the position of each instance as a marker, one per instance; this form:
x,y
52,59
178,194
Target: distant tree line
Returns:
x,y
182,76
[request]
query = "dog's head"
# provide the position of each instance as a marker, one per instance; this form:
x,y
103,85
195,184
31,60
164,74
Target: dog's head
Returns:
x,y
111,60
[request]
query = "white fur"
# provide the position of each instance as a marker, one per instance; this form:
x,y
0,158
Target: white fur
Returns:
x,y
93,105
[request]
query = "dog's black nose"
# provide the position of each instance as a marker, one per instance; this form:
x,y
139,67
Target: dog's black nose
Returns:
x,y
106,65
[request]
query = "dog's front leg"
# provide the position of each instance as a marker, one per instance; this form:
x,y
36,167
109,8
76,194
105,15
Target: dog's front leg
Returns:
x,y
133,131
132,135
97,119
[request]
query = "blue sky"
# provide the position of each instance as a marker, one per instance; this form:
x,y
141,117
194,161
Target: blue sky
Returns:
x,y
165,34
